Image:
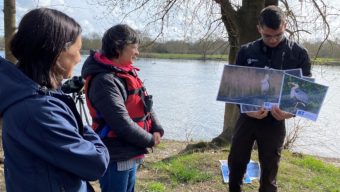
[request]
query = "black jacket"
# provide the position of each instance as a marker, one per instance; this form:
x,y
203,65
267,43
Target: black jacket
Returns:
x,y
287,55
107,94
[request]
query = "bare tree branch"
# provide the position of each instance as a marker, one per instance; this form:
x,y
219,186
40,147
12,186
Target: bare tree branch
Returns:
x,y
326,24
144,3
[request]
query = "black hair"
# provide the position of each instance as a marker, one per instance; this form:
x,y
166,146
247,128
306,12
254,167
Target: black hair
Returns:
x,y
116,39
272,16
42,35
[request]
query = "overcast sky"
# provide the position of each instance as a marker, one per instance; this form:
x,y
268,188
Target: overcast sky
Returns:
x,y
80,10
92,19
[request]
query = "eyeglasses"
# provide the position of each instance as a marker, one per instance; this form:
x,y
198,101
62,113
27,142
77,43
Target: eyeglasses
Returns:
x,y
277,37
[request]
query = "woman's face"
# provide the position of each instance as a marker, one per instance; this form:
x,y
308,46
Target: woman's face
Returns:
x,y
70,57
128,55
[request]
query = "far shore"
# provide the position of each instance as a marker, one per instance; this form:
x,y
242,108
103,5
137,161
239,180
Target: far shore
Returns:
x,y
214,57
221,57
218,57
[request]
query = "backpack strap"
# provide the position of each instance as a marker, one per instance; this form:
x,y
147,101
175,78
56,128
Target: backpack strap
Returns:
x,y
70,103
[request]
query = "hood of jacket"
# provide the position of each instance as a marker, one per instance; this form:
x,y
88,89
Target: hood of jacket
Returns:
x,y
14,86
91,66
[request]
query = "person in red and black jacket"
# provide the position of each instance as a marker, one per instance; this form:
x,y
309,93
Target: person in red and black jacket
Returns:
x,y
120,107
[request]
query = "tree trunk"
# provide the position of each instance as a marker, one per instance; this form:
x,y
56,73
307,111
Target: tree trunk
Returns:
x,y
271,2
241,28
9,21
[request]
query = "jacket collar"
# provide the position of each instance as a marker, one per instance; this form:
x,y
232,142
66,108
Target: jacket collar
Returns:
x,y
99,57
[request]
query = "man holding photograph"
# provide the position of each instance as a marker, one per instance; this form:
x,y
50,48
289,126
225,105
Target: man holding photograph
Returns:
x,y
272,50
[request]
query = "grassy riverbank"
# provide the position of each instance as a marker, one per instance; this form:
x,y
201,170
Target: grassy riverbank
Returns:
x,y
326,61
167,170
318,61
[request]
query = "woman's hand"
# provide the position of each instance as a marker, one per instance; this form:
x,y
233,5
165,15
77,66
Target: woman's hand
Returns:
x,y
157,137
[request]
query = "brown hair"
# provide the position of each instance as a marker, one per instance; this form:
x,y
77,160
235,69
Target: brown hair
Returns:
x,y
42,35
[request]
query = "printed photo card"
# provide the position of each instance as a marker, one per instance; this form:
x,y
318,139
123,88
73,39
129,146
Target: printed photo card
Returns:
x,y
253,88
302,97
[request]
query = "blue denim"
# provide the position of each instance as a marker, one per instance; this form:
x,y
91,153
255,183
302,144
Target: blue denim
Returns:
x,y
118,181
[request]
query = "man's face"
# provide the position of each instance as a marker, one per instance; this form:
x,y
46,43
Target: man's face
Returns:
x,y
272,37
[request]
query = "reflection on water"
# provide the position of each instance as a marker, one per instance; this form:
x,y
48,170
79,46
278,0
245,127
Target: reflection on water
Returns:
x,y
185,92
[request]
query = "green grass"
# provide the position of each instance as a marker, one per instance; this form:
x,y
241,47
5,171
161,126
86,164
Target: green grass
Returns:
x,y
155,187
328,61
317,175
184,169
306,173
200,171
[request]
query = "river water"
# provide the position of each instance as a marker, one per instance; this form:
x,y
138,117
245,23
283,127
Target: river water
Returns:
x,y
185,91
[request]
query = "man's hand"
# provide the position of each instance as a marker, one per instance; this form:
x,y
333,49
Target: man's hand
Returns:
x,y
280,115
260,114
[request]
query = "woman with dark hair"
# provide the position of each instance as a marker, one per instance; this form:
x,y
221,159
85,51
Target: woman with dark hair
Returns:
x,y
120,107
46,146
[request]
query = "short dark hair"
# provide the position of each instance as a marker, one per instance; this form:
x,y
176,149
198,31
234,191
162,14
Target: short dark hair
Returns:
x,y
116,39
272,16
42,35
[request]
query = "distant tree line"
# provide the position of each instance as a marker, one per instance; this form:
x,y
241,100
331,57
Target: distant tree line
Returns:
x,y
330,49
91,41
203,47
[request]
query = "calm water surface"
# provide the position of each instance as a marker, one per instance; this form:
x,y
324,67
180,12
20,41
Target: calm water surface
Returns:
x,y
185,91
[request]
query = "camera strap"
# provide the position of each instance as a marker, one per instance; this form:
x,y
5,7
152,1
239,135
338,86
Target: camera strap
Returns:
x,y
70,103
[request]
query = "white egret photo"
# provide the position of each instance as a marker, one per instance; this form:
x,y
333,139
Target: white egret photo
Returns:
x,y
244,108
302,97
249,85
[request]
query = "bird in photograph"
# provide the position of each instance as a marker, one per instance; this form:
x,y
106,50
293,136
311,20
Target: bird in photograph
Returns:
x,y
300,96
265,85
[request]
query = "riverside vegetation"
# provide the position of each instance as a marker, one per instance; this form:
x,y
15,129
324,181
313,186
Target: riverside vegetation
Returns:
x,y
168,168
223,57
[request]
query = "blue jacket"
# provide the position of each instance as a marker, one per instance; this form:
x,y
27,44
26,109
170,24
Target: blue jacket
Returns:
x,y
42,146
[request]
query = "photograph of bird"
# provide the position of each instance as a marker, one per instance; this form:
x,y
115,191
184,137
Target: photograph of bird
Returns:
x,y
300,96
265,85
